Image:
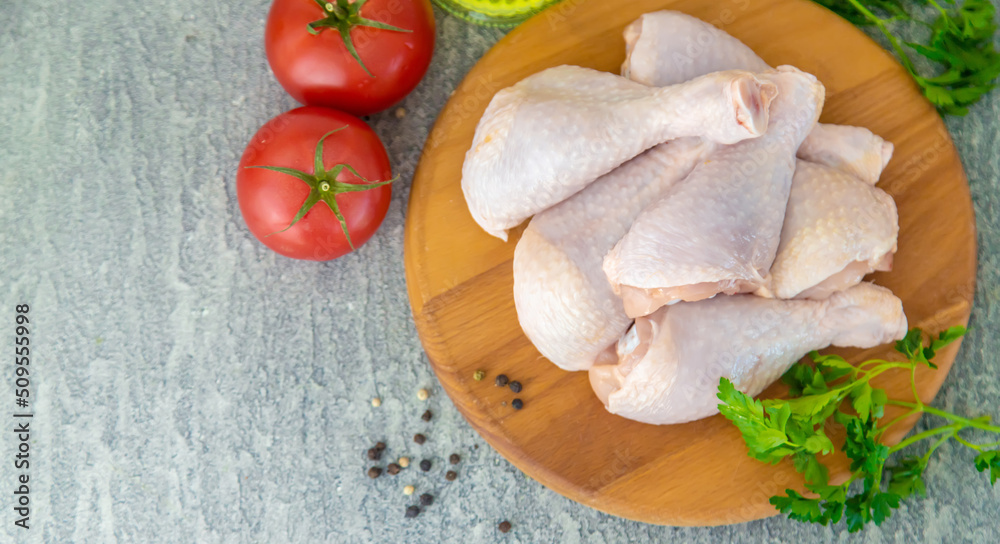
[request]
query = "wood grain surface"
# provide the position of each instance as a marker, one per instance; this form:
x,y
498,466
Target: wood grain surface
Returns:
x,y
460,283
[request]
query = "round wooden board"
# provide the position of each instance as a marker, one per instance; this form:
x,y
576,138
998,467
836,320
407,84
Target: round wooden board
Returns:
x,y
460,283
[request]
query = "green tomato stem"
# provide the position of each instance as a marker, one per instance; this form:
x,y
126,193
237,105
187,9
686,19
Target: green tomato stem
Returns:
x,y
324,186
343,16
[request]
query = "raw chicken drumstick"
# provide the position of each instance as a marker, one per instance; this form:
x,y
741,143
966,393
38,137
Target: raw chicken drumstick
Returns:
x,y
669,47
550,135
853,150
564,302
718,230
837,229
833,235
670,363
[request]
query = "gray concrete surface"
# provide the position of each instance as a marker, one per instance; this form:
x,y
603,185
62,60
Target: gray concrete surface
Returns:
x,y
191,386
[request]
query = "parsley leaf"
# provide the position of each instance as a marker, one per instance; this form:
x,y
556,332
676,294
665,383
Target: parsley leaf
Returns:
x,y
907,478
912,345
882,505
798,507
960,44
762,435
833,367
868,401
990,460
777,428
862,447
946,337
815,472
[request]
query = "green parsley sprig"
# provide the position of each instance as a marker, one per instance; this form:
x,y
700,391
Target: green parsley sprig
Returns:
x,y
960,43
775,429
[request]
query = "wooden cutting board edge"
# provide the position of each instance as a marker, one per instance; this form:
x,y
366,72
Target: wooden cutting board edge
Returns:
x,y
466,401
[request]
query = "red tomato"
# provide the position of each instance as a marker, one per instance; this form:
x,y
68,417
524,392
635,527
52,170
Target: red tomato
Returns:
x,y
270,200
320,70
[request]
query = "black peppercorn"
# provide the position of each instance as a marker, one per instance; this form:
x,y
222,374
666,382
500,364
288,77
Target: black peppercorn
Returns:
x,y
374,454
515,386
419,438
427,416
393,469
380,446
451,475
504,526
425,465
517,404
412,511
374,472
454,459
426,499
501,380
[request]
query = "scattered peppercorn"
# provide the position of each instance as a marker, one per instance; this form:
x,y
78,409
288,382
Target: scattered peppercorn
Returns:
x,y
425,465
374,454
501,380
404,462
408,490
412,511
426,499
515,386
450,475
478,375
454,459
427,416
380,446
503,403
419,438
504,526
374,472
423,394
393,469
517,404
400,113
376,402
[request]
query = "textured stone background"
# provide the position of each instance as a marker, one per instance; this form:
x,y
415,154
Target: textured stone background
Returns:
x,y
192,386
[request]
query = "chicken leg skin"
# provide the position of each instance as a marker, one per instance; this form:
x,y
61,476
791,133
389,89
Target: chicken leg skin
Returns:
x,y
719,229
669,47
553,133
670,362
837,229
564,302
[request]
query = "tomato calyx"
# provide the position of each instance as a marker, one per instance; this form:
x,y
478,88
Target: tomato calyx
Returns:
x,y
344,15
324,186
